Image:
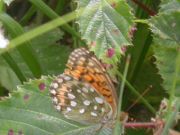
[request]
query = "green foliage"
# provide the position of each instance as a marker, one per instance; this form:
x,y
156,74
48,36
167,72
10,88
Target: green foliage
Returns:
x,y
104,24
167,60
29,110
169,6
46,50
8,78
165,27
167,42
25,50
99,25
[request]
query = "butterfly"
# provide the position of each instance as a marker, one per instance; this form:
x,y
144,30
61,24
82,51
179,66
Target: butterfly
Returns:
x,y
85,92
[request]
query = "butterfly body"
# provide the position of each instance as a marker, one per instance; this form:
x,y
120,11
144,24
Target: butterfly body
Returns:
x,y
84,92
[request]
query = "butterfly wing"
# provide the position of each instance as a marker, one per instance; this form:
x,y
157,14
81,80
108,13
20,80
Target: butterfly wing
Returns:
x,y
83,65
79,101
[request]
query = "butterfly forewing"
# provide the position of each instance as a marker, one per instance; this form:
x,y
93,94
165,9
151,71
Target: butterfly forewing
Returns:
x,y
83,65
79,100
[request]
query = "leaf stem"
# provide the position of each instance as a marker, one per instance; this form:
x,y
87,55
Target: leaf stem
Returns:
x,y
142,124
118,126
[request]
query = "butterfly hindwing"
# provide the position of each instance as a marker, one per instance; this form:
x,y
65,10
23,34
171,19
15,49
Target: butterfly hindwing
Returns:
x,y
79,101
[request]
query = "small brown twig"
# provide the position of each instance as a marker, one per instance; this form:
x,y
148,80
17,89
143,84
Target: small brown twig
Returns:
x,y
137,100
143,124
140,125
145,8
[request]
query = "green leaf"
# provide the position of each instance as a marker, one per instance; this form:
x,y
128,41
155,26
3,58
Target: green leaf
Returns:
x,y
51,55
31,34
149,80
166,26
8,78
173,115
105,26
166,58
30,111
52,15
169,6
27,53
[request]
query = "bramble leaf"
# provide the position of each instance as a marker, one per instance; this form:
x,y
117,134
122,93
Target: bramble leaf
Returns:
x,y
105,24
29,110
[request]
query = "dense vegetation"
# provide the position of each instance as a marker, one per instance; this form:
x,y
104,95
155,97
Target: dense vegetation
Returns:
x,y
139,40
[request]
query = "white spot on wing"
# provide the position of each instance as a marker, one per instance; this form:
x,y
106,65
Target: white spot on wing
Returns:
x,y
82,111
73,103
58,107
71,96
82,59
55,100
91,89
85,90
86,102
67,78
59,80
69,109
90,64
55,85
99,100
73,58
53,92
79,91
94,114
95,107
102,109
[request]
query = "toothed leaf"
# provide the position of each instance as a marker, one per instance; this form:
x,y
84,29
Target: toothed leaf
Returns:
x,y
166,26
29,110
167,60
105,24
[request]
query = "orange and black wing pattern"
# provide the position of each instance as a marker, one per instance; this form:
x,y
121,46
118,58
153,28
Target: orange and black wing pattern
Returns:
x,y
84,66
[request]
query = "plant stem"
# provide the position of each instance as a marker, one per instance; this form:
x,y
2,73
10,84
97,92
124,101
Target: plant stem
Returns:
x,y
118,126
142,124
145,8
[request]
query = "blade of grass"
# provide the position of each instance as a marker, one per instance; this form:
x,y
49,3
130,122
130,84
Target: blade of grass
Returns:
x,y
136,93
14,66
171,117
118,125
51,14
40,30
173,89
174,103
60,6
1,6
28,15
26,52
